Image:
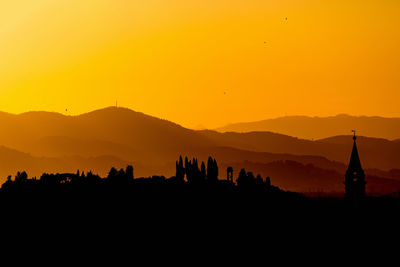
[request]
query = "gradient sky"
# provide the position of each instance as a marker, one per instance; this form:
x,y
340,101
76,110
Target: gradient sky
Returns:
x,y
201,62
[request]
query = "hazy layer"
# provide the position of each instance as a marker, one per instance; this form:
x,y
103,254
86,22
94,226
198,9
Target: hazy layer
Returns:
x,y
207,62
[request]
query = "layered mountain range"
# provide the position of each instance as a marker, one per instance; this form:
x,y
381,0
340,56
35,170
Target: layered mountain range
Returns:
x,y
50,142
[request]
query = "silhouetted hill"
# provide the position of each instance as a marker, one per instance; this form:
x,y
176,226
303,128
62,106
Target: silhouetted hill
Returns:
x,y
322,127
117,125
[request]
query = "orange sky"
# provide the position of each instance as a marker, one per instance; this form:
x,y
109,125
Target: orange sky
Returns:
x,y
175,59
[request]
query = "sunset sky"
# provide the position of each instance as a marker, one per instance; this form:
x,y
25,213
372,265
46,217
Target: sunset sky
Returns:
x,y
201,62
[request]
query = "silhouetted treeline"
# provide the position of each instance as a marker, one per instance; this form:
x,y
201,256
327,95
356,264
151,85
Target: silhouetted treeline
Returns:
x,y
188,172
199,187
194,182
193,173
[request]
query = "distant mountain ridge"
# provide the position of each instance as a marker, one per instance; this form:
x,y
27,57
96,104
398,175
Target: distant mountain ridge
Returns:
x,y
322,127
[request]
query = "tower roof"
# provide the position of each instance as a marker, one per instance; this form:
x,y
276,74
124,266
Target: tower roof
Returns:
x,y
354,164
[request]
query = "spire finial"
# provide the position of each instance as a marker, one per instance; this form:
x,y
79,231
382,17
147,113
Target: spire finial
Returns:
x,y
354,137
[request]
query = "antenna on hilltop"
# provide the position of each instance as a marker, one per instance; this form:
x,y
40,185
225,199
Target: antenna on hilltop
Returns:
x,y
116,103
354,131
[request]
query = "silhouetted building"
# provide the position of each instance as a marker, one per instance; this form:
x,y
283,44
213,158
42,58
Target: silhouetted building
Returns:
x,y
355,177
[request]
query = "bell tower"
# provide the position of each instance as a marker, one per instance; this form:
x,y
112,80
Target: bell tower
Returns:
x,y
355,177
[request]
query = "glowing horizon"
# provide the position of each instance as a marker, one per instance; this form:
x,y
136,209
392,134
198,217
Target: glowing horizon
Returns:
x,y
204,62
